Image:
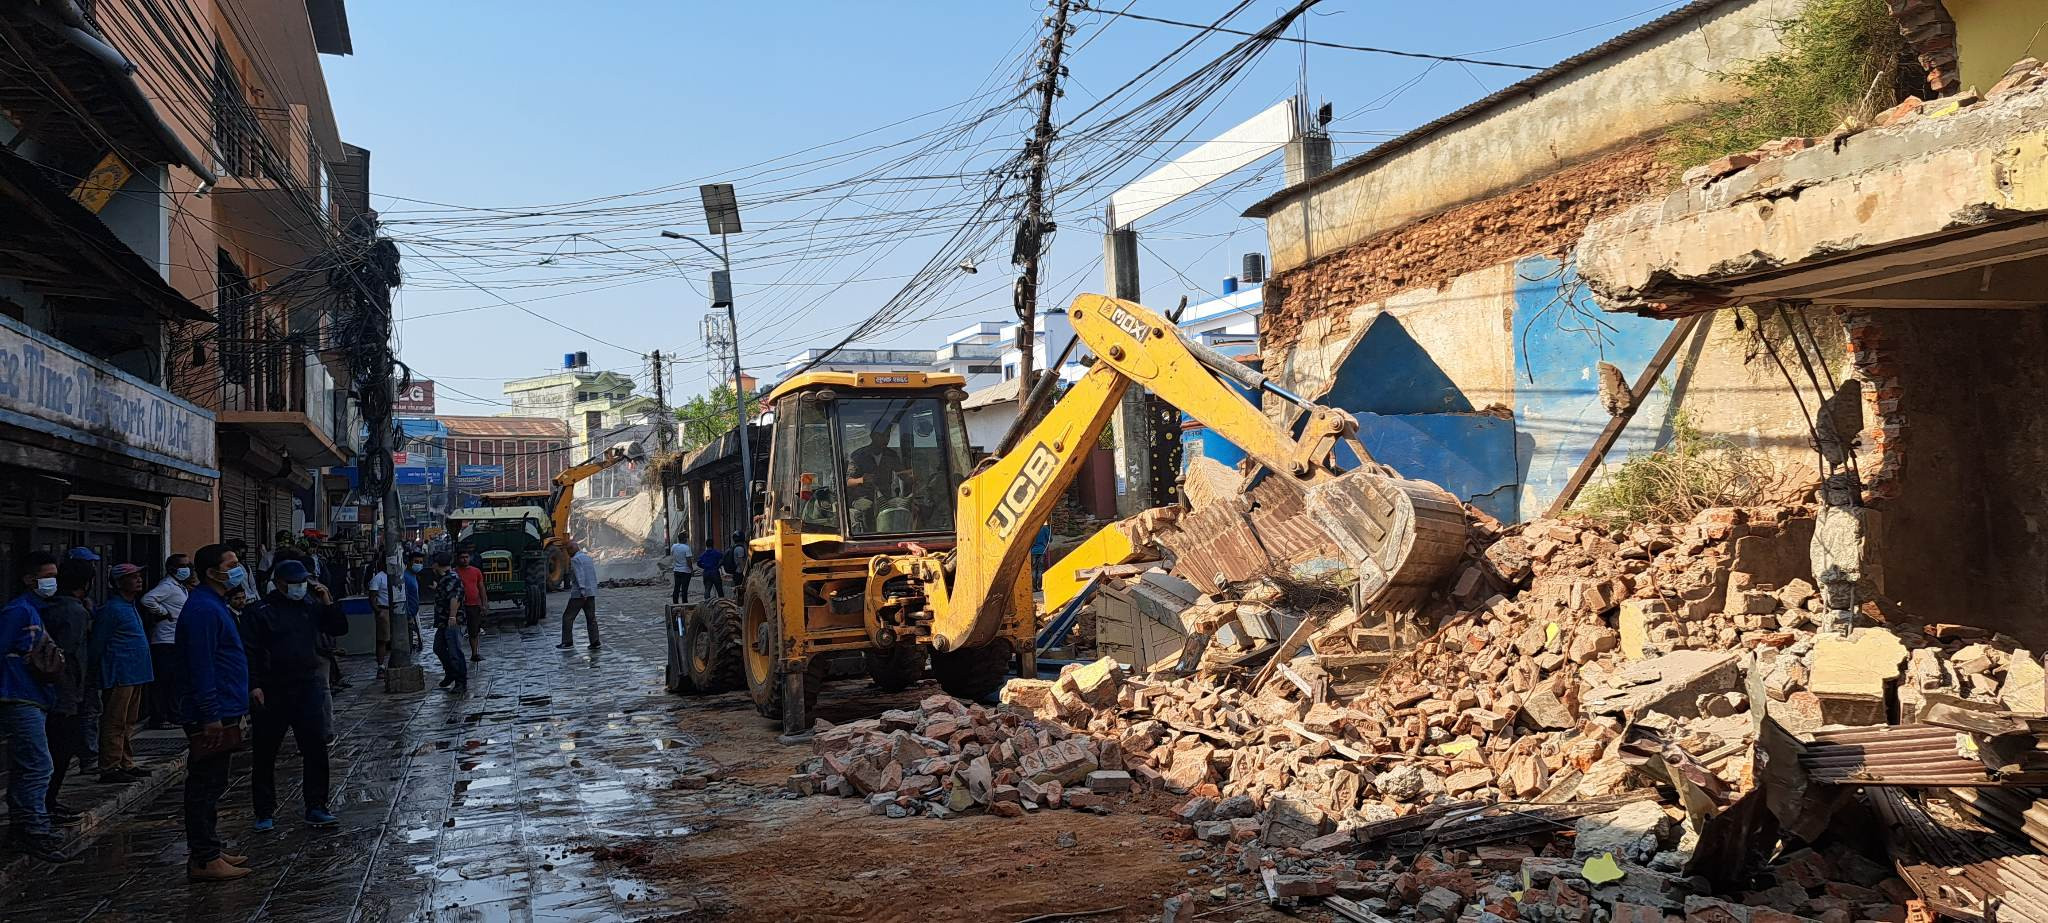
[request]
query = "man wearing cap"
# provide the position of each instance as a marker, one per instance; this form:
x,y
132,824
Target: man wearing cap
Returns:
x,y
288,688
160,608
120,658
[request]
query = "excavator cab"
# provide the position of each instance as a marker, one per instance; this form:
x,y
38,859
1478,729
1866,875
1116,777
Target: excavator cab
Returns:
x,y
868,464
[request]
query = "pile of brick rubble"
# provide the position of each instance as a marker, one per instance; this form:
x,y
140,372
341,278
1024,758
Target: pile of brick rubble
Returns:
x,y
1607,684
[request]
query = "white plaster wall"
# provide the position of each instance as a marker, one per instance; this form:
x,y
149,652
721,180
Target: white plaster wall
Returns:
x,y
1627,96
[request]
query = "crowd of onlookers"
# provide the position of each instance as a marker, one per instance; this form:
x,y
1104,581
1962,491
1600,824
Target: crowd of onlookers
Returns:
x,y
220,647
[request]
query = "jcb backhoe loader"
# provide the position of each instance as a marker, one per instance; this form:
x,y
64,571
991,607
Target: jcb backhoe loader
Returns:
x,y
877,538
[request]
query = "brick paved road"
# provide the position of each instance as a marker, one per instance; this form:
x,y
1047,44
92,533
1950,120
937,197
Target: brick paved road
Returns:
x,y
452,808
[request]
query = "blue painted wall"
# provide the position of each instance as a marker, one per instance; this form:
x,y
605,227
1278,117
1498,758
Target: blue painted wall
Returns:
x,y
1472,455
1559,337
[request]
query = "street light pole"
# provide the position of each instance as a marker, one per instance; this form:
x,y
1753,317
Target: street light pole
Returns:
x,y
721,296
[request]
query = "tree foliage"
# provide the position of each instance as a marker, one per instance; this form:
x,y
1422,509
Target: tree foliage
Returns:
x,y
707,416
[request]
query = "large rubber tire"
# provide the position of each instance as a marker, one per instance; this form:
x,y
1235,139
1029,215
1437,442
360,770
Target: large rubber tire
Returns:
x,y
761,644
536,604
712,647
975,674
675,673
896,668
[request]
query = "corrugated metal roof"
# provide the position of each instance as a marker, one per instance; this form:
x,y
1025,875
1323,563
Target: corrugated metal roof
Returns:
x,y
1519,89
503,427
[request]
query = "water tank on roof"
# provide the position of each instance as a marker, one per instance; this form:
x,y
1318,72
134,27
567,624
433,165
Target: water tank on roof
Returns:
x,y
1229,285
1254,269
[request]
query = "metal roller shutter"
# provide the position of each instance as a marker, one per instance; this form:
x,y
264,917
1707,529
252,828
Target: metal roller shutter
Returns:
x,y
239,495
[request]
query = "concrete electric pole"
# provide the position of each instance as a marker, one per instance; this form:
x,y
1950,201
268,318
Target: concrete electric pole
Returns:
x,y
1035,226
662,425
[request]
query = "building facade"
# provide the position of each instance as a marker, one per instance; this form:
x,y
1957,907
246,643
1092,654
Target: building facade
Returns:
x,y
173,379
488,454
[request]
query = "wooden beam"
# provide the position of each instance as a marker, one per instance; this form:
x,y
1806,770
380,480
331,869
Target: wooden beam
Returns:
x,y
1617,423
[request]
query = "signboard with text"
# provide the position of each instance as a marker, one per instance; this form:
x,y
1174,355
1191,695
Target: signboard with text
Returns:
x,y
416,475
49,387
414,400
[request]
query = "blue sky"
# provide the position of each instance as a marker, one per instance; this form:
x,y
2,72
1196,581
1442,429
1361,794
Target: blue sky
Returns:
x,y
500,113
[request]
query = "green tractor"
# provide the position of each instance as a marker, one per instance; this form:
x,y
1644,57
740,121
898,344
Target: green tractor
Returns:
x,y
507,543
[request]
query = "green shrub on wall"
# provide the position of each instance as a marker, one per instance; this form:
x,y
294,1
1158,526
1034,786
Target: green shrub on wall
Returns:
x,y
1838,62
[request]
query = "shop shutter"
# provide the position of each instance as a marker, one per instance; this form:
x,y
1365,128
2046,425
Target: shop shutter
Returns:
x,y
238,498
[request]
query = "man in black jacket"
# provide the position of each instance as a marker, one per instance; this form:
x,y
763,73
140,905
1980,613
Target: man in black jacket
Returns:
x,y
288,686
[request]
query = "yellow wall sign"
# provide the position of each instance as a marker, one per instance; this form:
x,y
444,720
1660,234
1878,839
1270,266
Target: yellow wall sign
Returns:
x,y
99,186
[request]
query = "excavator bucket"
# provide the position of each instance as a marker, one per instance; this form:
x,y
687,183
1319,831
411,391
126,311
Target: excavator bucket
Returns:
x,y
1401,537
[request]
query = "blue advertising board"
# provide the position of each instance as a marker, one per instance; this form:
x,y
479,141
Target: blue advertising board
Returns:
x,y
411,474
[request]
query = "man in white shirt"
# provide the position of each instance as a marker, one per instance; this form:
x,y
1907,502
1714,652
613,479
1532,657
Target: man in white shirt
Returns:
x,y
160,607
683,556
380,606
582,597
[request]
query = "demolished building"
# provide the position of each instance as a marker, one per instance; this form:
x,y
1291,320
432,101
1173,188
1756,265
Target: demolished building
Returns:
x,y
1826,707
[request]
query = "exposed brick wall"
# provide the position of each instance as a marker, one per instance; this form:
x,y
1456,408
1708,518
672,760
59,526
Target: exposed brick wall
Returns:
x,y
1931,34
1883,459
1546,216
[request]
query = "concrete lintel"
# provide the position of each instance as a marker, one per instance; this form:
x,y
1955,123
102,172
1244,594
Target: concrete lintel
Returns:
x,y
1804,223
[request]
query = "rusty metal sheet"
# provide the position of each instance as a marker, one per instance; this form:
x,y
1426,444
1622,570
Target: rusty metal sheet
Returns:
x,y
1919,755
1962,869
1279,519
1216,546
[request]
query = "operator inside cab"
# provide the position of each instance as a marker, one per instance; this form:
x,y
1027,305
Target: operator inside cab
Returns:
x,y
876,473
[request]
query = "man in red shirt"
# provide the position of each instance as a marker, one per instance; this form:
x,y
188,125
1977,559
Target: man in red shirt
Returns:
x,y
472,601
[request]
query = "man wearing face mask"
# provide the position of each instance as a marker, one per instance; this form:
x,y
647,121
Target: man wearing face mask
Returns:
x,y
68,620
120,662
160,608
213,697
24,704
285,667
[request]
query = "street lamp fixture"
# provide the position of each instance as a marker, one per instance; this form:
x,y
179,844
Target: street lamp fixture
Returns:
x,y
722,217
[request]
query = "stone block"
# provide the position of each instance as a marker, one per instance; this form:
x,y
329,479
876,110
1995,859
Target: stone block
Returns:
x,y
1195,810
2023,690
1633,833
1298,886
1850,675
1034,694
1109,781
1635,618
1681,678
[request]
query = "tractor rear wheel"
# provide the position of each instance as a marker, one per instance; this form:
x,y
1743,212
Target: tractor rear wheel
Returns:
x,y
896,667
676,672
712,645
975,674
761,655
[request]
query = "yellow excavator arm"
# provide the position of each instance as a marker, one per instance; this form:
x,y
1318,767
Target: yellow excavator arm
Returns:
x,y
564,497
1002,506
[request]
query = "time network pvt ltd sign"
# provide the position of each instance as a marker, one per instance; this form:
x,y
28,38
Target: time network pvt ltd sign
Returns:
x,y
52,388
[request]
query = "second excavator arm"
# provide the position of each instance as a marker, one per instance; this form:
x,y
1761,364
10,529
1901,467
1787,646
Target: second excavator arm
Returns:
x,y
1002,506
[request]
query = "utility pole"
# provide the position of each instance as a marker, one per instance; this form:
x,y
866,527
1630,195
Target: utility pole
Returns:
x,y
1032,231
662,425
368,282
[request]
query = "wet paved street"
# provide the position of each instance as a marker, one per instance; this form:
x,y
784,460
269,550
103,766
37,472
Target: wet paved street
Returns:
x,y
475,808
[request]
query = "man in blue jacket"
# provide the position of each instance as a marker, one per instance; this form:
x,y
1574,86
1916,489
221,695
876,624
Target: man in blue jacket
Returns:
x,y
24,705
213,698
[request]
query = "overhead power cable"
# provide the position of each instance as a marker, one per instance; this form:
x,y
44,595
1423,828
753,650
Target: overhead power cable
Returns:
x,y
1337,45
